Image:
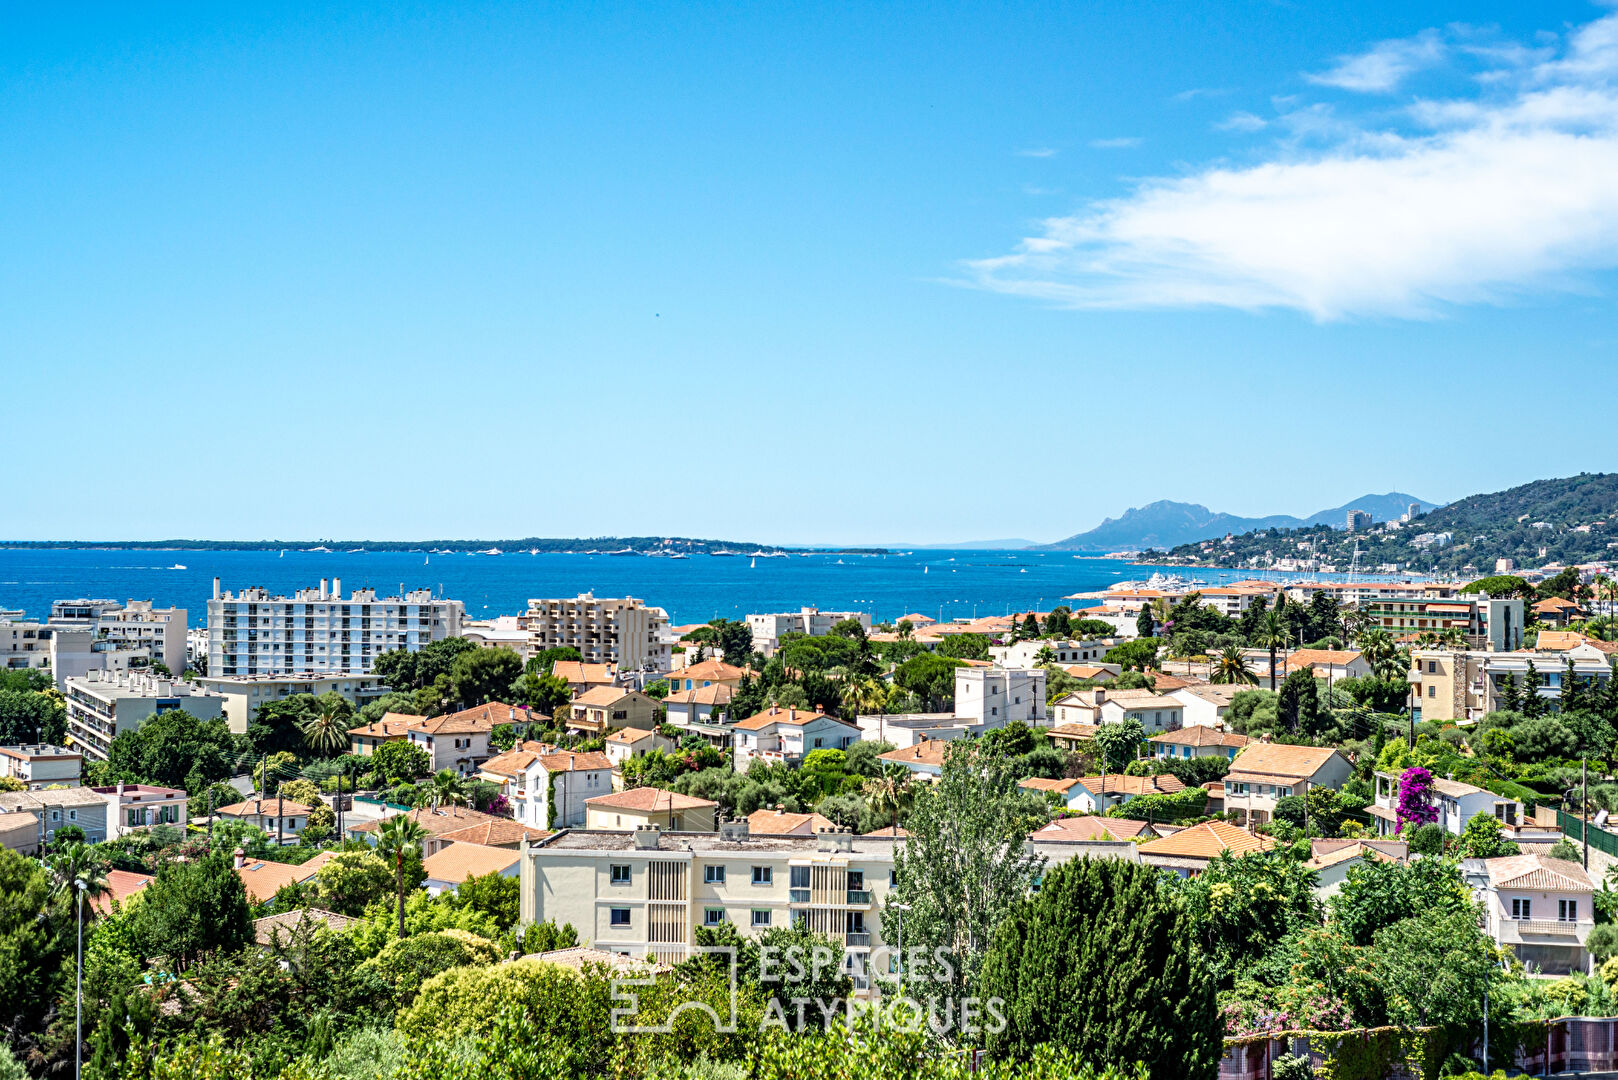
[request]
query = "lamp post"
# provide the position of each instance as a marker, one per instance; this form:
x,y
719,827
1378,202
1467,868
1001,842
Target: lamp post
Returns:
x,y
78,985
899,910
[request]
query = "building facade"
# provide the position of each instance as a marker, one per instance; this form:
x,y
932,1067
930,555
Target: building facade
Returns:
x,y
993,697
319,631
102,705
622,631
39,765
769,629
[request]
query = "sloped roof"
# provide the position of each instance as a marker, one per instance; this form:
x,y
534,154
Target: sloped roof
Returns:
x,y
1093,827
478,719
1300,658
121,885
581,955
1206,841
1201,735
777,715
713,694
1538,872
497,833
270,807
630,735
1277,759
393,725
602,696
707,669
926,752
435,820
1039,783
1121,784
264,879
776,823
567,761
268,929
648,800
457,862
512,763
577,672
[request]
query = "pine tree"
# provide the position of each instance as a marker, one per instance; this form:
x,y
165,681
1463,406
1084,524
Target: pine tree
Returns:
x,y
1100,962
1532,703
1030,626
1572,689
1510,699
1146,626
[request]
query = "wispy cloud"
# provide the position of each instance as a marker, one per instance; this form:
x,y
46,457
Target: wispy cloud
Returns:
x,y
1200,92
1471,200
1123,143
1242,121
1041,151
1385,65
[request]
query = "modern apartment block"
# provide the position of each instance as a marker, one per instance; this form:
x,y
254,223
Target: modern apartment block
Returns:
x,y
101,705
621,631
243,694
24,645
768,630
319,631
137,624
993,697
1453,684
646,891
41,765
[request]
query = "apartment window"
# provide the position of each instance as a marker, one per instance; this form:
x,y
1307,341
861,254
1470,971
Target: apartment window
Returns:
x,y
1432,691
1567,911
761,917
800,877
713,875
1521,908
713,916
1432,667
763,875
620,873
856,880
893,879
73,815
620,915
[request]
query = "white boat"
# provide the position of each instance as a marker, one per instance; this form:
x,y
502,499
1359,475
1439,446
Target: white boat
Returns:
x,y
924,569
753,565
425,559
679,555
356,551
717,554
492,551
178,566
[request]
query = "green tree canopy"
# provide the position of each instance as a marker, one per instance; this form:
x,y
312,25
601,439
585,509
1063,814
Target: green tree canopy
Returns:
x,y
193,909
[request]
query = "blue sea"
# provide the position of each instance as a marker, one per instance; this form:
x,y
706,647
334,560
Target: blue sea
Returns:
x,y
942,584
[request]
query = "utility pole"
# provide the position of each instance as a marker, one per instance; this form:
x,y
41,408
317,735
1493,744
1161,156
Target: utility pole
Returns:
x,y
1584,807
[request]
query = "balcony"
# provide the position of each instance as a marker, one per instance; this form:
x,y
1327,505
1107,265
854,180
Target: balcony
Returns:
x,y
1521,931
859,896
857,941
798,896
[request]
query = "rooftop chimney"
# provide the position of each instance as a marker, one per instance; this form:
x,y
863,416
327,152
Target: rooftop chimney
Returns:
x,y
646,837
216,588
336,588
836,839
733,830
239,857
323,592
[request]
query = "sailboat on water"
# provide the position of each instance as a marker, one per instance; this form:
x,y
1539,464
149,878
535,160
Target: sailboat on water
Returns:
x,y
753,565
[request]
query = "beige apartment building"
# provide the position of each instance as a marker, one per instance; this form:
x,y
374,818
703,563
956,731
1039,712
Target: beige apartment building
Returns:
x,y
161,632
1450,684
621,631
103,704
646,891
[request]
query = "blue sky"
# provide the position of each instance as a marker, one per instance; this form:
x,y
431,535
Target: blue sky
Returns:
x,y
801,273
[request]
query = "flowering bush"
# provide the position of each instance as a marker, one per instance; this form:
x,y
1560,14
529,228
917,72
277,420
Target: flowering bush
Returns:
x,y
1415,798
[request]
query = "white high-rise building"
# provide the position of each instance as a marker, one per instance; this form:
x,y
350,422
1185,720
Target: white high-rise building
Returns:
x,y
319,631
136,625
622,631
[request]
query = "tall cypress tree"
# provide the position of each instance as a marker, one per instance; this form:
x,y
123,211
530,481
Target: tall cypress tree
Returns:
x,y
1099,962
1510,699
1532,703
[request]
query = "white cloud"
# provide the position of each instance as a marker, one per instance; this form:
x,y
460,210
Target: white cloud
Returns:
x,y
1385,65
1477,200
1242,121
1043,151
1123,143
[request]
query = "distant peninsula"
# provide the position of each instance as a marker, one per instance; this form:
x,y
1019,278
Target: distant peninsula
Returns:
x,y
595,545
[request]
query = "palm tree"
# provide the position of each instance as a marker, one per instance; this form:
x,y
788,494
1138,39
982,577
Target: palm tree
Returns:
x,y
1231,668
326,731
1382,653
397,837
887,794
862,696
446,788
74,864
1272,635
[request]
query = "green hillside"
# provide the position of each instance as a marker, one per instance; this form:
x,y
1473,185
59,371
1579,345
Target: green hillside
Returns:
x,y
1568,520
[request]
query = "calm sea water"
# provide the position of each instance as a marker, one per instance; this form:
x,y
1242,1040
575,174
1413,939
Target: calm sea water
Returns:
x,y
943,584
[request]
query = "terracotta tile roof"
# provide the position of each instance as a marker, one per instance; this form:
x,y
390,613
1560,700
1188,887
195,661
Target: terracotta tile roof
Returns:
x,y
602,696
1163,682
916,619
1039,783
1075,731
566,761
777,715
478,719
1556,603
121,885
264,878
712,670
1093,827
436,821
1206,841
578,673
1145,700
630,736
1558,640
776,823
888,830
457,862
513,763
282,925
1301,658
648,799
1120,784
926,752
1088,671
497,833
716,694
1262,759
1538,872
581,955
393,725
264,808
1332,852
1201,735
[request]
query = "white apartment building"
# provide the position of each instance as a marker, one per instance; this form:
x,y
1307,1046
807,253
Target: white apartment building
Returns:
x,y
768,630
500,632
319,631
621,631
1024,654
243,694
993,697
102,705
39,765
24,645
779,735
137,624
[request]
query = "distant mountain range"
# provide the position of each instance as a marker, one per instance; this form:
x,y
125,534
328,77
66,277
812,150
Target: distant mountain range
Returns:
x,y
1165,524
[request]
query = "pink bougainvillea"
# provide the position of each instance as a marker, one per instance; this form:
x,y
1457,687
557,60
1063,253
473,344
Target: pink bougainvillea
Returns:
x,y
1415,798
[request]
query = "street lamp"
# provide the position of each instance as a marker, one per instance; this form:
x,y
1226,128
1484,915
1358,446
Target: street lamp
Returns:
x,y
80,885
899,910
